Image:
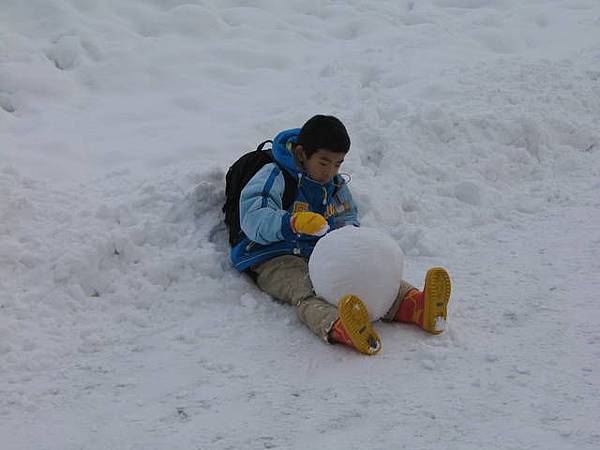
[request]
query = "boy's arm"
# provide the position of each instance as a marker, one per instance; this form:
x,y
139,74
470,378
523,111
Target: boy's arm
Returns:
x,y
262,217
346,210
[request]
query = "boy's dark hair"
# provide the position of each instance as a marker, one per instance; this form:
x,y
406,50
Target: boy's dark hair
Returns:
x,y
323,132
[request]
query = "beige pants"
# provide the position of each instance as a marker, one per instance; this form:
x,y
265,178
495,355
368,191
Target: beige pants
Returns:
x,y
286,279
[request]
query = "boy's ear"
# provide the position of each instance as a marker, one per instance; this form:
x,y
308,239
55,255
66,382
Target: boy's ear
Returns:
x,y
299,153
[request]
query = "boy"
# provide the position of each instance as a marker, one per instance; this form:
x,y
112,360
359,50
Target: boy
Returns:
x,y
277,243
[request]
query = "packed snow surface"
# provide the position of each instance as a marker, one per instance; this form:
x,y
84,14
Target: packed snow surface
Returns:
x,y
360,261
475,128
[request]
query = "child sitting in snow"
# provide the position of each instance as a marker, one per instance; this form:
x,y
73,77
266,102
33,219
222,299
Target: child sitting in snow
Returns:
x,y
277,243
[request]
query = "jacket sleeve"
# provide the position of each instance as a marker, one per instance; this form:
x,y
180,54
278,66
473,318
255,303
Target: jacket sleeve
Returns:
x,y
346,212
262,217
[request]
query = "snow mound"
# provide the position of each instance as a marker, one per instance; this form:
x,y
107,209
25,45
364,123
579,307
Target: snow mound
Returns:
x,y
361,261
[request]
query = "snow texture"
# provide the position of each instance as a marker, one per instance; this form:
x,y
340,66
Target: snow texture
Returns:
x,y
360,261
475,128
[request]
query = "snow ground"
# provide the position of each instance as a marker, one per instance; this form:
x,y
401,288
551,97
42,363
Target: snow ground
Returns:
x,y
476,145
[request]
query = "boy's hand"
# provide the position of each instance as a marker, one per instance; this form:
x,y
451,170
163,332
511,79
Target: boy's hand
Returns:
x,y
309,223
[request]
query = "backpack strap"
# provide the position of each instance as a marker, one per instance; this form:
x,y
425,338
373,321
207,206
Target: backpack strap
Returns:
x,y
291,187
262,145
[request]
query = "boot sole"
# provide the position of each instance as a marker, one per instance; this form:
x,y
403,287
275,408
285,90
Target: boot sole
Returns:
x,y
355,318
437,295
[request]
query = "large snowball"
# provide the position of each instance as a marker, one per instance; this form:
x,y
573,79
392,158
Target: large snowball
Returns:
x,y
360,261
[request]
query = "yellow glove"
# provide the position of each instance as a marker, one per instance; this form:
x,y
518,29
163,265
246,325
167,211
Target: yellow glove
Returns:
x,y
309,223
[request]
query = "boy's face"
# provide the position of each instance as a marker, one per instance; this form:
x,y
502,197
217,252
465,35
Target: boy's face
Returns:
x,y
323,165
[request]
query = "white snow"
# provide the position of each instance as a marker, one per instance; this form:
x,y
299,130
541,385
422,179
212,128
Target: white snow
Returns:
x,y
475,132
358,261
440,324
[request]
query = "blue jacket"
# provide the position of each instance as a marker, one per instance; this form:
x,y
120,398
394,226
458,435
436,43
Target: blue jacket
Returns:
x,y
266,224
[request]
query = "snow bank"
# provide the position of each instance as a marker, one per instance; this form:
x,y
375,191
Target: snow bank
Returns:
x,y
476,142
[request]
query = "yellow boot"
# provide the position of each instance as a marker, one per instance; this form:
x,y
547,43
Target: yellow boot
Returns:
x,y
429,308
354,328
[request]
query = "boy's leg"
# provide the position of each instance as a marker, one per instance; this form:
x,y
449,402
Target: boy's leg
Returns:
x,y
286,278
427,308
404,289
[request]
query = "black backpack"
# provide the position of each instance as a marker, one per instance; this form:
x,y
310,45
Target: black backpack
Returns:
x,y
238,175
